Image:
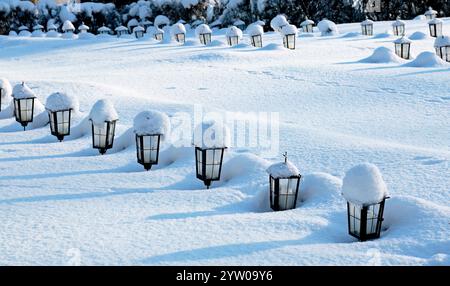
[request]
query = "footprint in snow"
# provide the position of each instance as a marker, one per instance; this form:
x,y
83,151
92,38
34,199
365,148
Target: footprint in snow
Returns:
x,y
202,88
433,162
445,97
171,87
434,100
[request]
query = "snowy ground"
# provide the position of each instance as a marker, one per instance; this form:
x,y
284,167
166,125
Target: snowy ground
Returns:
x,y
61,203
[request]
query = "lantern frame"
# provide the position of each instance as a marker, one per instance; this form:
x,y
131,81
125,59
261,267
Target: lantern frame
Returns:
x,y
256,41
403,50
443,52
180,38
205,38
358,217
158,36
1,96
109,136
367,29
233,40
138,34
121,33
55,125
274,192
308,28
430,14
140,150
287,41
435,29
18,110
201,158
399,30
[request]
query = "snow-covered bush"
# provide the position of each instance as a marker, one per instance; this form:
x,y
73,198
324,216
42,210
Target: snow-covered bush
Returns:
x,y
327,28
161,21
103,110
61,101
152,122
278,22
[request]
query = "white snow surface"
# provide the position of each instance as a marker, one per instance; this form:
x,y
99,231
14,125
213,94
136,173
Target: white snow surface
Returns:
x,y
427,60
62,101
382,55
363,184
283,170
327,28
60,201
152,122
103,110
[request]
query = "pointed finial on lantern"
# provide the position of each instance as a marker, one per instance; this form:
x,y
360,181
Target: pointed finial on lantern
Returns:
x,y
285,157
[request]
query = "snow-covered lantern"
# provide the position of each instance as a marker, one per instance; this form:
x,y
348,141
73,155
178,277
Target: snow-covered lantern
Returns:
x,y
161,21
23,28
103,117
68,27
151,128
284,182
103,30
239,23
51,27
256,33
138,32
204,33
60,107
121,30
133,23
234,35
5,92
307,26
398,27
211,139
178,32
38,28
367,27
365,191
430,13
403,48
289,35
23,31
23,104
278,22
442,46
158,34
435,27
83,28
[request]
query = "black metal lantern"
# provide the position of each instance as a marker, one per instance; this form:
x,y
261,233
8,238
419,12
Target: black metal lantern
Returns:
x,y
435,27
283,188
209,164
364,221
180,37
138,32
256,41
442,46
205,38
289,41
398,27
402,48
430,14
159,35
147,149
24,107
60,123
121,30
103,135
233,40
307,26
367,27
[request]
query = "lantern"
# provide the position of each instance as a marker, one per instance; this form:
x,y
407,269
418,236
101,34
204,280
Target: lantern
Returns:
x,y
180,37
430,14
103,117
307,26
179,32
51,28
365,192
398,27
442,46
121,30
239,24
133,23
234,34
403,48
23,104
138,32
284,182
83,28
104,30
289,35
209,164
367,27
435,27
68,27
204,33
38,28
255,32
158,34
60,107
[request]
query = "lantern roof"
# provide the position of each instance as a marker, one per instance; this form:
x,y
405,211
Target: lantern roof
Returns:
x,y
254,30
147,22
430,11
367,21
178,28
238,22
234,31
306,22
398,22
22,91
363,184
23,28
132,22
202,29
402,40
83,27
68,26
161,20
442,41
6,87
283,170
278,22
103,110
61,101
435,21
259,22
104,29
138,29
121,29
212,134
289,30
51,26
151,122
38,27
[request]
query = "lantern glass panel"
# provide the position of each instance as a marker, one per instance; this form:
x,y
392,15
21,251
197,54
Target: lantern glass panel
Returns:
x,y
60,122
435,30
104,135
367,30
159,36
139,34
257,41
289,42
1,96
180,37
147,148
205,38
209,163
232,41
307,28
364,222
23,109
399,30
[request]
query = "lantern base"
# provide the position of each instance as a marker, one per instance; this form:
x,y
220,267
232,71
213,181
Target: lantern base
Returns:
x,y
102,151
147,167
24,125
207,184
60,137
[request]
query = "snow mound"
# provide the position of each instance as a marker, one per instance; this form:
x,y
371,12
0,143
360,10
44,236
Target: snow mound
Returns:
x,y
202,29
21,91
254,30
12,34
212,134
289,30
418,36
351,35
382,55
103,110
364,184
191,43
273,47
86,36
234,31
177,28
216,43
69,35
321,188
426,60
242,46
152,122
5,85
420,18
278,22
61,101
306,35
37,34
243,165
161,20
382,35
24,33
53,34
283,170
327,28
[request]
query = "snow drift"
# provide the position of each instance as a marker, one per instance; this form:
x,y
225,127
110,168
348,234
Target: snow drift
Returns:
x,y
327,28
427,60
382,55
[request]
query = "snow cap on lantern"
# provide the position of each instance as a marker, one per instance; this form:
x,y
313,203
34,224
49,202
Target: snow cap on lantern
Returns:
x,y
38,27
138,29
61,101
260,23
327,28
282,170
132,23
68,26
443,41
398,22
104,30
306,22
23,28
83,28
103,110
430,13
278,22
51,27
22,91
234,31
212,134
289,30
152,122
161,20
402,40
121,29
202,29
367,22
178,28
255,30
363,184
